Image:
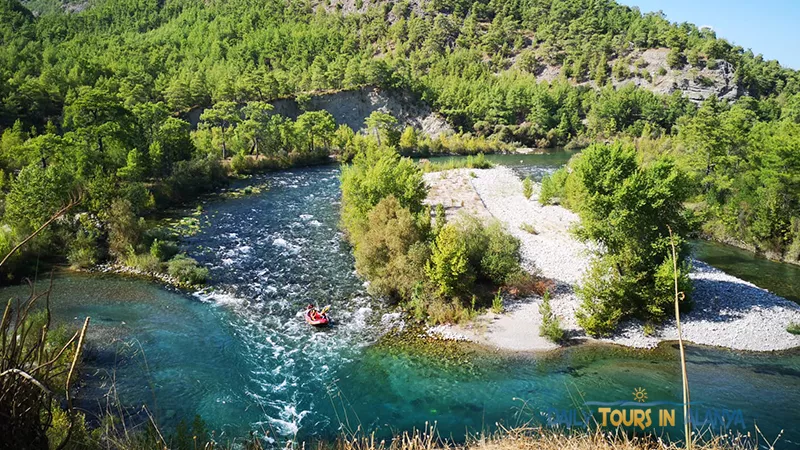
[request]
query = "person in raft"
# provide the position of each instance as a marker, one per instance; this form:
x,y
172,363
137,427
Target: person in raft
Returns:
x,y
312,312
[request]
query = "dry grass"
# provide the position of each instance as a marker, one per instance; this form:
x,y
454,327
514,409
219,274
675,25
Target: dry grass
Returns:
x,y
537,439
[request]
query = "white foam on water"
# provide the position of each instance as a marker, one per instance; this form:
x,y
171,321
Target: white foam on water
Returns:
x,y
280,242
220,298
306,217
315,223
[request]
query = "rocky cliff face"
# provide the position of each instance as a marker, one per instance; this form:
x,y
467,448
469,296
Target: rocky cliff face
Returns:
x,y
696,83
351,108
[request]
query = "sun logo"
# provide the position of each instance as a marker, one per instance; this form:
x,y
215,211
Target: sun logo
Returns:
x,y
640,395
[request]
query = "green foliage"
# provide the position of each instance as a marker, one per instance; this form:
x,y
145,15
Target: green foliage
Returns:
x,y
85,250
125,230
374,175
470,162
501,256
550,327
163,250
144,262
448,268
626,211
497,302
527,187
186,270
553,189
392,253
793,328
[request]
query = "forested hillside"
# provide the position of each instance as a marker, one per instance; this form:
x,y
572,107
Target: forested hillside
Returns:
x,y
96,95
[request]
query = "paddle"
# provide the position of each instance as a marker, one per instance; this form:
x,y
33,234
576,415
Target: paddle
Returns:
x,y
325,309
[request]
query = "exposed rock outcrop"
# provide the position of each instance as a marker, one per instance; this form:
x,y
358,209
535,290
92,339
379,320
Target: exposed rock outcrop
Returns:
x,y
353,107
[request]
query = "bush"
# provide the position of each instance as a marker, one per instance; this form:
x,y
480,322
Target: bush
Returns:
x,y
448,268
392,253
501,256
553,187
240,164
144,262
527,187
550,327
124,228
793,328
84,250
374,175
189,179
163,250
186,270
497,302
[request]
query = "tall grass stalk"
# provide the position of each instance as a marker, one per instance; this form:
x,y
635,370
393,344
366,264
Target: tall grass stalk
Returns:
x,y
687,426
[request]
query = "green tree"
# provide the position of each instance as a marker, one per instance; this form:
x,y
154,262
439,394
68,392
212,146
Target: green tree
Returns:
x,y
316,128
448,268
374,175
382,125
626,210
256,126
224,115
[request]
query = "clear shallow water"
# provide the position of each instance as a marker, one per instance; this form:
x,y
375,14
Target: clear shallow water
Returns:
x,y
534,165
781,278
241,357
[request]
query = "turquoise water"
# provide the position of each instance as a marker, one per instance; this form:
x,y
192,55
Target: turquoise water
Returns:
x,y
240,356
781,278
534,165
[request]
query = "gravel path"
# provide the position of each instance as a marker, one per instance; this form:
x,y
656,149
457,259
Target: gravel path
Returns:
x,y
728,312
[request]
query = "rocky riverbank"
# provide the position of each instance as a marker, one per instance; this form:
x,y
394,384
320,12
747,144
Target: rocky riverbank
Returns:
x,y
121,269
728,312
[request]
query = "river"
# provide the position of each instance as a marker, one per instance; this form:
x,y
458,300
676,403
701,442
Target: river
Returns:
x,y
239,355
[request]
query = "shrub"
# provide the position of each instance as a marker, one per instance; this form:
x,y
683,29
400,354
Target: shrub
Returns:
x,y
522,284
527,187
793,328
186,270
497,302
553,187
550,327
124,228
144,262
240,164
374,175
190,179
84,250
392,252
501,256
448,268
661,71
163,250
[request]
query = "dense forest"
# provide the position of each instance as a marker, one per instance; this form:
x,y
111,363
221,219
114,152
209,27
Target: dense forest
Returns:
x,y
96,96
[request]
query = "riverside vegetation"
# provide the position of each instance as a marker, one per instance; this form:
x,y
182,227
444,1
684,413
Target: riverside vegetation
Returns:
x,y
98,101
430,267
